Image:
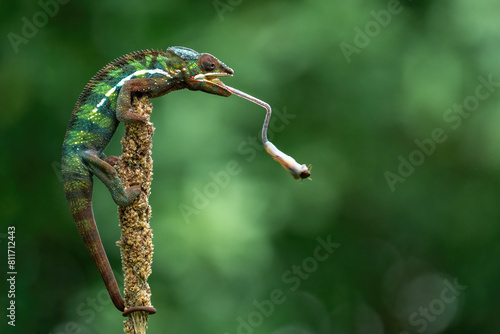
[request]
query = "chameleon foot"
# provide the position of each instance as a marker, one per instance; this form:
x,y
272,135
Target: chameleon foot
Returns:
x,y
112,160
129,116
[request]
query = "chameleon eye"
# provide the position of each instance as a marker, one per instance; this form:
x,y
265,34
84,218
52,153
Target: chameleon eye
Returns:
x,y
208,63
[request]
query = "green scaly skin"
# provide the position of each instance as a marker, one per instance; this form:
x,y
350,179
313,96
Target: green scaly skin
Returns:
x,y
106,101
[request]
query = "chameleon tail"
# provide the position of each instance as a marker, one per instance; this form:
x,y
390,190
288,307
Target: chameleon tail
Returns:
x,y
78,195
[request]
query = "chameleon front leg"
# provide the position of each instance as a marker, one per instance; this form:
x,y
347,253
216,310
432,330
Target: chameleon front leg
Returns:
x,y
151,87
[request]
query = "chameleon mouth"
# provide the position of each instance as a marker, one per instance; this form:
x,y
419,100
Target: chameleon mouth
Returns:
x,y
212,77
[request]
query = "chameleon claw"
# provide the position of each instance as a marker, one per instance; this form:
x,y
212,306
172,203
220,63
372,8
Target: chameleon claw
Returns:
x,y
133,117
132,193
112,160
129,116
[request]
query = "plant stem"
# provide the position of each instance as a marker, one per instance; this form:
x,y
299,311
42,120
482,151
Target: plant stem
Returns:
x,y
135,166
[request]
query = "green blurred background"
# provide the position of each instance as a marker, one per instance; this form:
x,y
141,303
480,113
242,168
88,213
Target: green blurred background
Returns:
x,y
395,105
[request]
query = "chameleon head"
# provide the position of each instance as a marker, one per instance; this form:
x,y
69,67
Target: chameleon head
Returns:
x,y
203,71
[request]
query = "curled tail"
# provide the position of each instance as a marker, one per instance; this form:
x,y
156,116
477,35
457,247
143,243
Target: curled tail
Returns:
x,y
79,195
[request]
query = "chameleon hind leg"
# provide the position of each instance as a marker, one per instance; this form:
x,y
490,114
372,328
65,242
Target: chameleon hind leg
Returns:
x,y
122,195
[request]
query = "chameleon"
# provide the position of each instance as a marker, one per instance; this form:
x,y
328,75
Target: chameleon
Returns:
x,y
103,104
